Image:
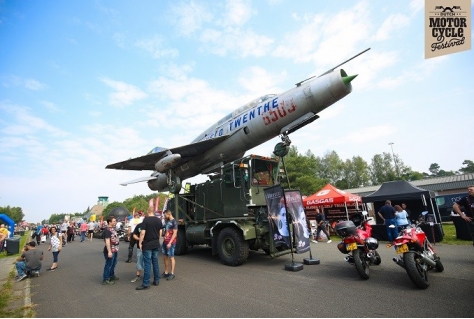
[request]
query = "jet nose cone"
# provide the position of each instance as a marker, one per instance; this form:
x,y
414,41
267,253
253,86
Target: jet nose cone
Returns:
x,y
348,79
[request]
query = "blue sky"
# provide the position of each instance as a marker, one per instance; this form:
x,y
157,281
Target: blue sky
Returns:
x,y
84,84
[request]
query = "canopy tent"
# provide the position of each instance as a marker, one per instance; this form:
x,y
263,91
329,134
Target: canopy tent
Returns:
x,y
417,199
331,195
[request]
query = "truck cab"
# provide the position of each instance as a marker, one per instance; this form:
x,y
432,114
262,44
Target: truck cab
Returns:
x,y
229,212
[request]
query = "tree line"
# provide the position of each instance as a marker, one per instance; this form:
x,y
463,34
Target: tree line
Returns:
x,y
309,173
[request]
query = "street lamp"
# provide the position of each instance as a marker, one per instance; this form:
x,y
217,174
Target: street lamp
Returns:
x,y
394,159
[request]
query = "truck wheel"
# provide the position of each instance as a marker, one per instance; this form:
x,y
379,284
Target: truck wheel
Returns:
x,y
233,250
181,247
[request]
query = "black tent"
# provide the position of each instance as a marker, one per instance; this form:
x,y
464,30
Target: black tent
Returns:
x,y
417,200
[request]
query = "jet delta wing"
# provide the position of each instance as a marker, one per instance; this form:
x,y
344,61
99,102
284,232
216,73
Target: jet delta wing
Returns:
x,y
187,153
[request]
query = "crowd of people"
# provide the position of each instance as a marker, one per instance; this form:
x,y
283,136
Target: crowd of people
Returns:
x,y
144,234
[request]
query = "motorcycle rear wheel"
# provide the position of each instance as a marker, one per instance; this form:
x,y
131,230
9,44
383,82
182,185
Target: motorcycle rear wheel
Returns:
x,y
416,269
361,266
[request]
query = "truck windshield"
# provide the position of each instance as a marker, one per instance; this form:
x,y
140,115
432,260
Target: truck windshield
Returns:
x,y
262,173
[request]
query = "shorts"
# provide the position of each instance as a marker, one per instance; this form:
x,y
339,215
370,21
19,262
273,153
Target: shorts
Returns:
x,y
90,231
168,251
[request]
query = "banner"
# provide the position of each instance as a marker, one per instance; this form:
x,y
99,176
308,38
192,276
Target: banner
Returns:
x,y
447,27
277,217
294,205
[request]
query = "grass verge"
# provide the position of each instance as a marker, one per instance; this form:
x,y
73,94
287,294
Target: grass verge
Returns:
x,y
450,236
8,298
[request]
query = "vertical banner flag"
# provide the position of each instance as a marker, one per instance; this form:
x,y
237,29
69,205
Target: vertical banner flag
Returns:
x,y
294,205
277,218
447,27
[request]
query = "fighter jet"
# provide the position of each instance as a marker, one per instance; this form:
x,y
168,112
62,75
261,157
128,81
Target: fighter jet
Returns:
x,y
248,126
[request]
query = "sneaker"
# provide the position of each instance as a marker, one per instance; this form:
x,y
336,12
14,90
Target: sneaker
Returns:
x,y
329,241
314,241
22,277
135,279
164,275
36,273
156,283
51,269
108,282
170,277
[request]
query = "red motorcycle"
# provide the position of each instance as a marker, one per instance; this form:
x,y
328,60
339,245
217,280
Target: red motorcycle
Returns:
x,y
357,243
417,255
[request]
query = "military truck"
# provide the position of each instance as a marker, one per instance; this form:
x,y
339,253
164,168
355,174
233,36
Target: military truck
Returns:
x,y
228,213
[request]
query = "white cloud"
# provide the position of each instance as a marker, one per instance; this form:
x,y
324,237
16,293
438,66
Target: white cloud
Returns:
x,y
26,123
391,25
156,47
243,43
189,16
237,13
125,94
258,81
30,84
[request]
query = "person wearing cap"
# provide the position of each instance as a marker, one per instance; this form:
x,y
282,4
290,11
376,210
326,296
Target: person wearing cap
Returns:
x,y
29,261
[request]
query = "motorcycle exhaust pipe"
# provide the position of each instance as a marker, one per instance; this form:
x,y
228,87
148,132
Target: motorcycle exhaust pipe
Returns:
x,y
430,262
399,262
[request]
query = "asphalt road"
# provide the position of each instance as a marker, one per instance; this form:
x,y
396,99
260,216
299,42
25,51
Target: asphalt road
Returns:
x,y
261,287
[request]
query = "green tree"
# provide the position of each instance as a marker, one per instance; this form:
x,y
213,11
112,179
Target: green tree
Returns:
x,y
15,213
382,169
301,170
330,168
434,169
469,167
355,173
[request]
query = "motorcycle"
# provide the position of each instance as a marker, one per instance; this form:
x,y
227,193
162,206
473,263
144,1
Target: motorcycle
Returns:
x,y
417,255
357,243
121,234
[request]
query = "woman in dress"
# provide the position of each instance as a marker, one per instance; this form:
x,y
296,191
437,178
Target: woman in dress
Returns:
x,y
55,247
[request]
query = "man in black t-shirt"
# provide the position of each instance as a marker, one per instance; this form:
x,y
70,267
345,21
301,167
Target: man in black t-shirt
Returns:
x,y
111,248
387,213
149,243
468,215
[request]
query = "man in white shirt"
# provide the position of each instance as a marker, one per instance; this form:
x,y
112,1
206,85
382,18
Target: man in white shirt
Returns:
x,y
137,219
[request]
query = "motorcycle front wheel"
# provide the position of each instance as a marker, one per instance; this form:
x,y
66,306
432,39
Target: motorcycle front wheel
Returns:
x,y
359,261
416,269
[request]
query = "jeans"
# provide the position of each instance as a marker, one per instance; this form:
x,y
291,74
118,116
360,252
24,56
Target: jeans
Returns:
x,y
83,236
392,233
109,268
150,257
21,268
55,256
139,260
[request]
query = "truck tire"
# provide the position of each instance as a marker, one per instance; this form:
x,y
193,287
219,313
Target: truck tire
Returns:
x,y
233,250
181,247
